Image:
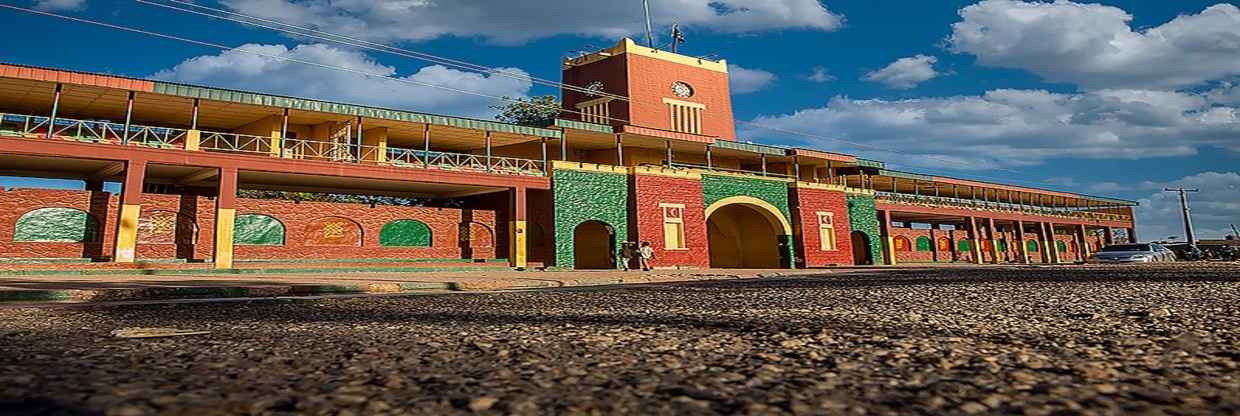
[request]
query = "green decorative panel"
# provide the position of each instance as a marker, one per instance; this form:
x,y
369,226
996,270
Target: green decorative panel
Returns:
x,y
774,192
964,246
582,196
258,230
405,233
1031,246
863,217
1061,247
923,244
1002,245
56,225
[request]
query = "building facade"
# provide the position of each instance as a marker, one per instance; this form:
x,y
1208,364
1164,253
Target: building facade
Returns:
x,y
644,151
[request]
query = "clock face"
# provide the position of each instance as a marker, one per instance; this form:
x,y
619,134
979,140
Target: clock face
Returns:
x,y
594,88
682,90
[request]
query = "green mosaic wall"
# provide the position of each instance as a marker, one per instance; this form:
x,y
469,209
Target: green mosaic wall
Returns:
x,y
717,187
405,233
583,196
56,225
258,230
863,217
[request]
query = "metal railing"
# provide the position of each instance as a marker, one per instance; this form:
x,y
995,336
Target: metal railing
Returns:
x,y
235,143
92,131
729,170
941,201
107,132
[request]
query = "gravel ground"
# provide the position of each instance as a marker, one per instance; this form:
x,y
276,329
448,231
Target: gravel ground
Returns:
x,y
1064,340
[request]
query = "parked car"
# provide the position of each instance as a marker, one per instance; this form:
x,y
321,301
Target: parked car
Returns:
x,y
1185,252
1133,253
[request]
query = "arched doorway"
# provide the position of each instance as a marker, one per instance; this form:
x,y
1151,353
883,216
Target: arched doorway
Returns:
x,y
594,243
861,249
748,233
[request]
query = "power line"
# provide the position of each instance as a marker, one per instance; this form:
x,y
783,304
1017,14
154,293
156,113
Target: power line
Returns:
x,y
282,58
365,44
418,83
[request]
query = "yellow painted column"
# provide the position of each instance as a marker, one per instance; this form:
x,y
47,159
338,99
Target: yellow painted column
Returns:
x,y
193,140
975,241
225,221
1053,243
1085,252
889,241
225,218
125,245
994,241
519,247
127,233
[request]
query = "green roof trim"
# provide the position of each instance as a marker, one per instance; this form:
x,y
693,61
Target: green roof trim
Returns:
x,y
867,163
242,97
750,147
581,125
906,175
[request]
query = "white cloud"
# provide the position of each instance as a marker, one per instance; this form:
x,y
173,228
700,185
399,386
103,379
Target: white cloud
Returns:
x,y
745,81
246,71
60,5
512,22
905,73
1015,128
1094,46
821,75
1213,209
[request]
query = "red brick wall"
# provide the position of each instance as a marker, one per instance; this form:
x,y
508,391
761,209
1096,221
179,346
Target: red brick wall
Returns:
x,y
651,190
299,221
646,81
651,79
806,205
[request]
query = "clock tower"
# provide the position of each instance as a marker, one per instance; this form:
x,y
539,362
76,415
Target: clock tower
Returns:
x,y
665,91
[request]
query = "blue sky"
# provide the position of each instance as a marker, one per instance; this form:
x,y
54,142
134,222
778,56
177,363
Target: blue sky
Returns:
x,y
1115,97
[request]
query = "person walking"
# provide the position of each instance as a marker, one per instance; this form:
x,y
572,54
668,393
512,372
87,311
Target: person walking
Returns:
x,y
627,252
645,253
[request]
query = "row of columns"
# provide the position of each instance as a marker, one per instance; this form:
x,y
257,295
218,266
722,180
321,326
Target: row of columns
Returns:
x,y
1045,236
131,200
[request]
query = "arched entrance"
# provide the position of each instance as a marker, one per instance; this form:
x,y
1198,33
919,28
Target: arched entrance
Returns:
x,y
594,243
861,249
746,232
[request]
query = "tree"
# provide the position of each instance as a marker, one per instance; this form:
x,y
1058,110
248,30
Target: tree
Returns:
x,y
533,112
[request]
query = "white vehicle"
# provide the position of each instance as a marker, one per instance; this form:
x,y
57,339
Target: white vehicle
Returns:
x,y
1133,253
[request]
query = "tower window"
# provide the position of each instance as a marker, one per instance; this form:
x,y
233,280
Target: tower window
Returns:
x,y
826,231
686,117
597,111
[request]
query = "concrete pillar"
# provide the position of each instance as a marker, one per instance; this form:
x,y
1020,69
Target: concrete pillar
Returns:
x,y
518,243
225,218
994,241
934,244
1084,251
1045,243
889,246
1052,243
126,242
1022,248
974,250
1108,236
1132,235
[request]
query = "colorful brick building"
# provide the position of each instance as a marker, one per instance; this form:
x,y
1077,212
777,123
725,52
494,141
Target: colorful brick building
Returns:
x,y
646,150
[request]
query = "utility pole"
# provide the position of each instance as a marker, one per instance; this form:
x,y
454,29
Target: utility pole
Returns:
x,y
1188,219
649,27
1235,231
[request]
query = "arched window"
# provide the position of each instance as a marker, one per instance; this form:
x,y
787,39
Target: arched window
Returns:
x,y
258,230
902,244
56,225
944,244
964,246
1061,247
405,233
1031,246
923,243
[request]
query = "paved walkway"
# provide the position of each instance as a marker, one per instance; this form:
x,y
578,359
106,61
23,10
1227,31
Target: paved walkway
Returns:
x,y
123,287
